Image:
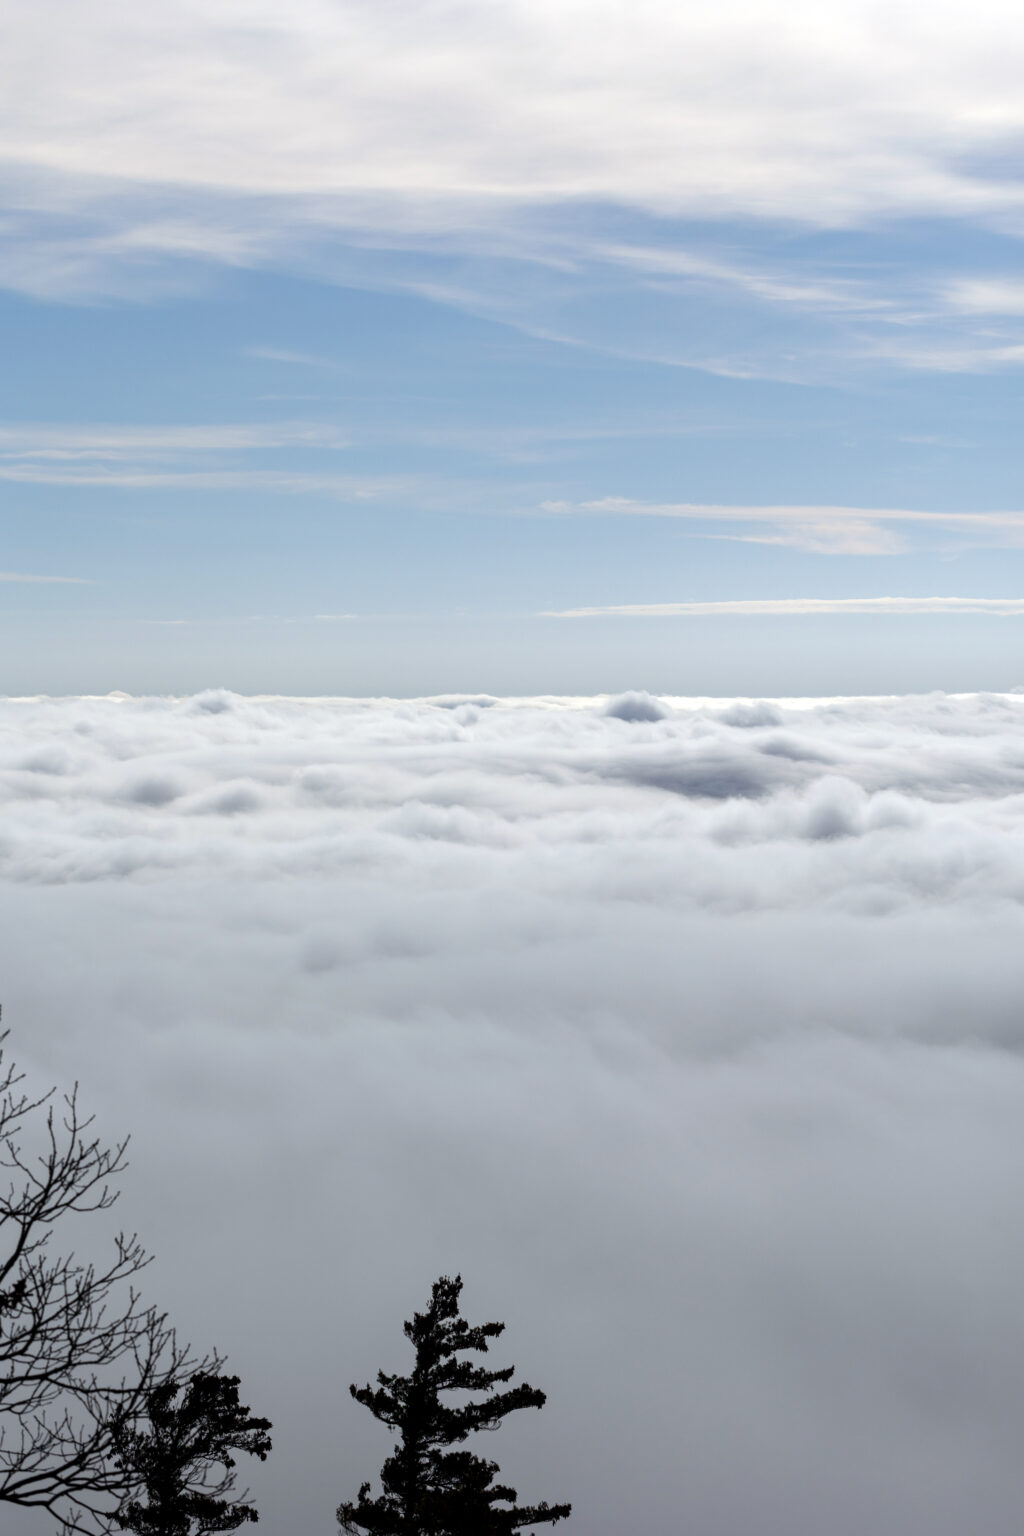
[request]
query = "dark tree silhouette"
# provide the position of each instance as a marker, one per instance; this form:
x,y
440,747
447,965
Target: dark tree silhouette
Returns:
x,y
429,1490
78,1351
185,1459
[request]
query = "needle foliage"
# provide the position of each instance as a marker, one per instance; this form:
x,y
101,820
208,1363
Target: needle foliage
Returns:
x,y
183,1458
429,1488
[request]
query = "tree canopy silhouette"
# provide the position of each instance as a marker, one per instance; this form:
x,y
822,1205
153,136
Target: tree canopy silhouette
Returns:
x,y
78,1350
428,1489
185,1460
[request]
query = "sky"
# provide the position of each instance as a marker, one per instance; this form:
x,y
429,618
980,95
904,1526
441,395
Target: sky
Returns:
x,y
516,347
689,1031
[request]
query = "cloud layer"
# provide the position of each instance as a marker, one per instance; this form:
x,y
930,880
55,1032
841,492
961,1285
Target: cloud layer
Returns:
x,y
688,1030
826,113
523,155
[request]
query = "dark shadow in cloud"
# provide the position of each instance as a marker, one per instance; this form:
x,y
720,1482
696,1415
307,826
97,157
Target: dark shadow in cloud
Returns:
x,y
749,714
713,770
215,701
635,707
152,790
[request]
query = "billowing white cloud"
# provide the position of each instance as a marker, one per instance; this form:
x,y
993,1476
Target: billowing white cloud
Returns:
x,y
689,1030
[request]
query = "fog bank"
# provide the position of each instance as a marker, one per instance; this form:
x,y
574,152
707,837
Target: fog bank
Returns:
x,y
689,1031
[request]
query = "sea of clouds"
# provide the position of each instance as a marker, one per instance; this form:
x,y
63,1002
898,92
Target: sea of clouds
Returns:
x,y
689,1031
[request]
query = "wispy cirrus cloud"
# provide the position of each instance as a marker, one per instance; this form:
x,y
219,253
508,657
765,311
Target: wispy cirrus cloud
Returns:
x,y
276,139
218,457
986,296
286,355
250,456
242,620
117,441
665,263
1001,607
834,530
33,578
285,482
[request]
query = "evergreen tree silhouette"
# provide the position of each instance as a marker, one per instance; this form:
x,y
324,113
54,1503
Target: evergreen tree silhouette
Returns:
x,y
184,1461
429,1490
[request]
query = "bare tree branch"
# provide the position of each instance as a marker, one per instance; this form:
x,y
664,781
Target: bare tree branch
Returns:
x,y
79,1351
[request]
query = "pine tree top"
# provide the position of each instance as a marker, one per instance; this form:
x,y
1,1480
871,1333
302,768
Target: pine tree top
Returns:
x,y
430,1490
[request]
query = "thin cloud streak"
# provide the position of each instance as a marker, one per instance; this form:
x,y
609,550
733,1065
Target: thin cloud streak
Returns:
x,y
820,295
73,441
283,355
64,581
290,482
835,530
184,456
257,618
1006,607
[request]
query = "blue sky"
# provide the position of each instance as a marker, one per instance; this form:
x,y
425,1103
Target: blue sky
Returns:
x,y
511,348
